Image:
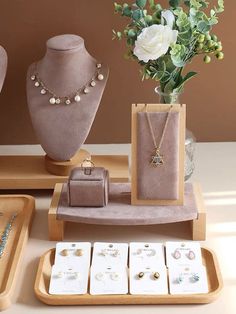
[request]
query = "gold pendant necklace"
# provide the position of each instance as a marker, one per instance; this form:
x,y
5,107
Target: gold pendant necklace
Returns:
x,y
72,97
157,159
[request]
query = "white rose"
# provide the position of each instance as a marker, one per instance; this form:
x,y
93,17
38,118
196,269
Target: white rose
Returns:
x,y
154,41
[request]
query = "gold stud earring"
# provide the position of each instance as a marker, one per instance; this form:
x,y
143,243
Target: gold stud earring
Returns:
x,y
64,252
156,275
79,252
141,275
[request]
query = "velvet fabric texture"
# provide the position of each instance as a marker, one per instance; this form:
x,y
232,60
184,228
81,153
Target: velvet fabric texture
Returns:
x,y
88,187
65,68
161,182
120,212
3,66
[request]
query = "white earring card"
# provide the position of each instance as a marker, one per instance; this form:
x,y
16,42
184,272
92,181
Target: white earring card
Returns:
x,y
73,254
158,154
188,279
183,253
108,279
148,254
148,280
68,281
110,253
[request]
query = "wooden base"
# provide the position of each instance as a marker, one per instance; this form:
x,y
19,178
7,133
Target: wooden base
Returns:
x,y
28,172
56,227
10,262
63,168
41,288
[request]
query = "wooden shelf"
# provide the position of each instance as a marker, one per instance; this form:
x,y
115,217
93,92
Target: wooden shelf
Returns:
x,y
28,172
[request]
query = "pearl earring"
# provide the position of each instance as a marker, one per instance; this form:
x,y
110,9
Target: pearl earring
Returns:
x,y
99,276
115,276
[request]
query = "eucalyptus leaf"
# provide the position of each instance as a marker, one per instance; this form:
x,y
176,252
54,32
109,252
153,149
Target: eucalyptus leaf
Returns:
x,y
203,27
137,15
141,3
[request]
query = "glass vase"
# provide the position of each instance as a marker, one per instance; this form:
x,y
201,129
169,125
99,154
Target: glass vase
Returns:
x,y
190,140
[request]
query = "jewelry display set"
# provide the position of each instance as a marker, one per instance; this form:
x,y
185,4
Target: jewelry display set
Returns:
x,y
146,273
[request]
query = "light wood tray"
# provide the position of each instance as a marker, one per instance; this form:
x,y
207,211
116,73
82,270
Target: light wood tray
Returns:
x,y
10,262
44,272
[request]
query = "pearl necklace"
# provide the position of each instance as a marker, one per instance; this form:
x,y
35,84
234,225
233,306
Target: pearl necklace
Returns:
x,y
73,97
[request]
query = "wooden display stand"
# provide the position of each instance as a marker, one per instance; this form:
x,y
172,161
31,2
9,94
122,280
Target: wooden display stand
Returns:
x,y
63,168
28,172
136,108
10,262
57,227
41,288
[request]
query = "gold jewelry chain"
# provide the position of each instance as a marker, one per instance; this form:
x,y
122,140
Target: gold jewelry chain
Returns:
x,y
158,147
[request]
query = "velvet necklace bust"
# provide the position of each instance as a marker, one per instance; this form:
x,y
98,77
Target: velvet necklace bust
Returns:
x,y
66,68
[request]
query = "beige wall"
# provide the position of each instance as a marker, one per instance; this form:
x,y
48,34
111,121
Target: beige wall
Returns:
x,y
25,25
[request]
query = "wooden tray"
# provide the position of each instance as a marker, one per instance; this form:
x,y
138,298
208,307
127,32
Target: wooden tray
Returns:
x,y
10,262
43,278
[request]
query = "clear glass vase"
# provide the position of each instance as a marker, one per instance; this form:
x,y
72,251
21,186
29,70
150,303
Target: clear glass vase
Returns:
x,y
190,140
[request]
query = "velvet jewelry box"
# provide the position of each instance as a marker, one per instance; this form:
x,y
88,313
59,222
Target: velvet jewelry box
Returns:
x,y
88,187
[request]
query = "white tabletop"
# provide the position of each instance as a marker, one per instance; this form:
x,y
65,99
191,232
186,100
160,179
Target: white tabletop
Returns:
x,y
215,170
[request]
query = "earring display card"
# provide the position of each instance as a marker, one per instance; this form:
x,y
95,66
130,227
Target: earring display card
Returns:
x,y
148,280
158,175
110,253
68,281
73,254
142,253
188,280
108,279
183,253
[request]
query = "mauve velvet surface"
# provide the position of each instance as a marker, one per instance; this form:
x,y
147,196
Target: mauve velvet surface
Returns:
x,y
3,66
161,182
67,66
88,189
120,212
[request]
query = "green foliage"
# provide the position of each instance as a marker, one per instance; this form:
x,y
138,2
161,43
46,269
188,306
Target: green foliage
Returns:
x,y
194,20
178,53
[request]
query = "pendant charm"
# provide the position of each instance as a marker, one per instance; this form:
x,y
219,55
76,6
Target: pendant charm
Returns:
x,y
157,159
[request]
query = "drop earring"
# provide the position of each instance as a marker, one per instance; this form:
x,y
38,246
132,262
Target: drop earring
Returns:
x,y
191,255
176,254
